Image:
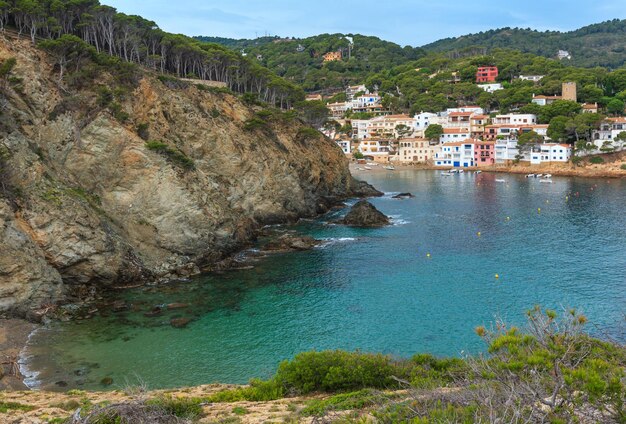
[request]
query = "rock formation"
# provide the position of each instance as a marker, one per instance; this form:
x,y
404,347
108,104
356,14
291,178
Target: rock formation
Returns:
x,y
86,203
364,214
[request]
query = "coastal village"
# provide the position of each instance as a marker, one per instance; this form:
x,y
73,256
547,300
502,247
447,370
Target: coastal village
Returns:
x,y
467,136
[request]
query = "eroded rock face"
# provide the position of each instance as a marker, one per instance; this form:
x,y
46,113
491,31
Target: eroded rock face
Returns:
x,y
363,189
364,214
86,204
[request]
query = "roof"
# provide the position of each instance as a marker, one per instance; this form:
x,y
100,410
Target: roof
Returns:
x,y
617,120
456,131
590,106
480,116
460,113
398,117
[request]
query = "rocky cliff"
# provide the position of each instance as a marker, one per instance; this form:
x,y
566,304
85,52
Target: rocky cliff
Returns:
x,y
86,202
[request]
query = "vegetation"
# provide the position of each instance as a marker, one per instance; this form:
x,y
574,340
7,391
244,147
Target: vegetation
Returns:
x,y
73,30
596,160
550,372
600,44
305,66
173,155
14,406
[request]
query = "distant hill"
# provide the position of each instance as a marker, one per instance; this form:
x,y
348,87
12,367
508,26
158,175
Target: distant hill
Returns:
x,y
602,44
301,60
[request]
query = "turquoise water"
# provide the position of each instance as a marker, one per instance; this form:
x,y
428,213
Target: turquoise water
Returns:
x,y
369,289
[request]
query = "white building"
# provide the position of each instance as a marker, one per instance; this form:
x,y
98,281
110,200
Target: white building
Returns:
x,y
506,150
424,119
451,135
533,78
563,54
457,155
490,88
359,129
365,100
473,109
550,152
337,110
346,146
517,119
388,126
609,129
353,90
545,100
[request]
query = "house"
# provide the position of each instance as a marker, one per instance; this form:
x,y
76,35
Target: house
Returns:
x,y
609,129
484,153
417,150
590,108
550,152
365,100
542,100
486,74
506,151
376,150
313,97
338,110
345,145
352,91
300,48
451,135
332,56
563,54
513,118
387,126
477,125
490,88
459,119
458,154
533,78
359,129
474,109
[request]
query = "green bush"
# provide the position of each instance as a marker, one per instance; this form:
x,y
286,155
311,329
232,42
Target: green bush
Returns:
x,y
118,112
344,402
596,160
258,391
7,66
334,371
254,124
183,407
307,133
576,160
14,406
623,166
143,131
173,155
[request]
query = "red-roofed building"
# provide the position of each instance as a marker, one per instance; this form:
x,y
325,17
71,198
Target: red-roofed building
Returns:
x,y
486,74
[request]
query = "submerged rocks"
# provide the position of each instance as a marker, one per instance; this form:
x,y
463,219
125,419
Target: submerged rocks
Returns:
x,y
180,322
364,214
292,242
403,196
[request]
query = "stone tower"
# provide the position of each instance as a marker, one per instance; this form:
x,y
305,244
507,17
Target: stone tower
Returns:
x,y
569,91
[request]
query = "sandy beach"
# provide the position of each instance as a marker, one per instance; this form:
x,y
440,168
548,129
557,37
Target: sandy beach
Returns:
x,y
13,337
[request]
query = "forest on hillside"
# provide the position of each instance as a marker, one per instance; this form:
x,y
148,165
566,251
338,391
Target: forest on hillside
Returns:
x,y
78,28
602,44
301,60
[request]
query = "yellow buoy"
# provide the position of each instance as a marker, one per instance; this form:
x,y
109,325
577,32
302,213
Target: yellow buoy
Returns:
x,y
508,218
478,234
428,255
497,275
539,210
547,201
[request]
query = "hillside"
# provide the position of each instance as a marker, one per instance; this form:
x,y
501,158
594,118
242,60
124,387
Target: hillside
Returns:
x,y
109,177
599,44
301,60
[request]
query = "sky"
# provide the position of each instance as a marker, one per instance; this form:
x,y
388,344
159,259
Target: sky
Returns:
x,y
406,22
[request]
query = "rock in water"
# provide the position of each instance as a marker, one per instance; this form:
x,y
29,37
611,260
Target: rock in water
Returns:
x,y
403,196
364,214
179,322
363,189
291,242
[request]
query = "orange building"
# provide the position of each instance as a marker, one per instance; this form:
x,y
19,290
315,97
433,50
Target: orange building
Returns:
x,y
486,74
332,56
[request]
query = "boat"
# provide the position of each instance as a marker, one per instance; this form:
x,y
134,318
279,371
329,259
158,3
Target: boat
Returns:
x,y
478,172
461,171
367,168
530,176
538,175
547,176
454,171
390,168
447,174
546,181
500,181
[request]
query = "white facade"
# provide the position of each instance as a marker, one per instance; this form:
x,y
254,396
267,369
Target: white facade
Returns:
x,y
473,109
490,88
550,152
609,129
451,135
359,129
506,150
457,155
533,78
518,119
417,151
346,146
424,119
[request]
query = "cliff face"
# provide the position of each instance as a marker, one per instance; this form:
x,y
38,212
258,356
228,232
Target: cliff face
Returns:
x,y
85,203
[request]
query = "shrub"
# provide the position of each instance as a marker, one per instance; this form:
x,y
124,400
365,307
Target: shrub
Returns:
x,y
105,96
173,155
254,124
623,166
183,407
215,113
14,406
307,133
143,131
576,160
118,112
258,391
596,160
333,371
343,402
173,83
7,66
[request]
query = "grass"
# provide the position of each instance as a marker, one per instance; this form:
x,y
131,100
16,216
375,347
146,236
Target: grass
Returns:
x,y
14,406
183,407
623,166
174,156
344,402
596,160
239,410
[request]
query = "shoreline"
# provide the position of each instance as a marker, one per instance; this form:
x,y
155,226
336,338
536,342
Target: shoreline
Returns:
x,y
14,335
561,170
